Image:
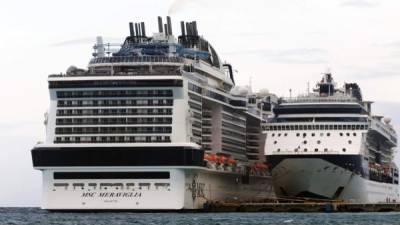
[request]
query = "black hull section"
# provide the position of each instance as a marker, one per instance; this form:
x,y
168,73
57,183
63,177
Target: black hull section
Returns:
x,y
116,156
352,163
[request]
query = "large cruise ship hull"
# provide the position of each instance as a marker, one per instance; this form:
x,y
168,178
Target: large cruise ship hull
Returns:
x,y
173,179
328,177
186,188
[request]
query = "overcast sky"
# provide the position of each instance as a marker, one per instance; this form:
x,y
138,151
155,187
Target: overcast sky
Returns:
x,y
280,44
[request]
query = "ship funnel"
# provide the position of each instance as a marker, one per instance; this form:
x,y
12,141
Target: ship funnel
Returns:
x,y
160,24
169,25
195,28
183,28
188,29
140,30
131,31
143,29
136,29
100,47
166,29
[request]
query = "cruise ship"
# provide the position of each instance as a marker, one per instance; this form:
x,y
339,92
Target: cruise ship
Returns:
x,y
327,144
154,123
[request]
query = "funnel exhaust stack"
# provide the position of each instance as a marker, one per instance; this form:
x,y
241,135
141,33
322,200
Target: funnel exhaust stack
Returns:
x,y
166,29
195,28
131,31
169,26
140,30
143,29
136,29
160,25
183,28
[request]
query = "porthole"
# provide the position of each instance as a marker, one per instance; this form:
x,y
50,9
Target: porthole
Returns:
x,y
278,150
350,141
305,150
328,134
273,134
341,134
297,134
285,134
279,134
296,149
344,150
354,134
316,150
313,134
304,135
321,134
347,134
318,142
275,142
325,149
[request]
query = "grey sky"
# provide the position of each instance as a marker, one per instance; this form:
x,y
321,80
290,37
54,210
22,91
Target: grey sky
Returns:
x,y
281,44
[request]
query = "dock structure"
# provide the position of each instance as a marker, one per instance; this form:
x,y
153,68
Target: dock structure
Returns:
x,y
300,206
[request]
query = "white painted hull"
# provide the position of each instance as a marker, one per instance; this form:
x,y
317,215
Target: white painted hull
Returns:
x,y
189,188
318,178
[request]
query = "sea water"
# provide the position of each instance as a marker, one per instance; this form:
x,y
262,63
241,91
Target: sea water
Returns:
x,y
38,216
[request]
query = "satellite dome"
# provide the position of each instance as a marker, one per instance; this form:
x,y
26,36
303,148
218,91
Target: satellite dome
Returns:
x,y
263,92
387,120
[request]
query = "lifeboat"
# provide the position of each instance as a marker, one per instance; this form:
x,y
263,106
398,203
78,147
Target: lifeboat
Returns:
x,y
222,159
231,161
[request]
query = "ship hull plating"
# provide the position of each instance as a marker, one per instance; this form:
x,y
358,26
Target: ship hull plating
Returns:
x,y
316,177
186,188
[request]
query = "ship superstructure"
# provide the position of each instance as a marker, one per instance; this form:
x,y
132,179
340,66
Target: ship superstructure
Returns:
x,y
327,144
151,124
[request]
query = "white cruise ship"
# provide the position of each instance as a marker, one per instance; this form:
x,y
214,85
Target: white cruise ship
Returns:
x,y
152,124
328,145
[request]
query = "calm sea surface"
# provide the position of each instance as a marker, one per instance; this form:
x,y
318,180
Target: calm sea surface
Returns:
x,y
37,216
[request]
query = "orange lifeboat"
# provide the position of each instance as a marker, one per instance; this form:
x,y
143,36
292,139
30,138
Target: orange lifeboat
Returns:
x,y
213,158
222,159
231,161
206,157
